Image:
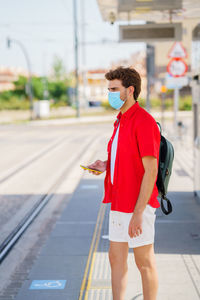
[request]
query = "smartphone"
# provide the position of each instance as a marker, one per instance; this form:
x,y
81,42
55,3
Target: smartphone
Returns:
x,y
86,168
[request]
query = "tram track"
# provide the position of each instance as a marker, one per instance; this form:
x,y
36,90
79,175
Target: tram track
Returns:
x,y
17,232
26,163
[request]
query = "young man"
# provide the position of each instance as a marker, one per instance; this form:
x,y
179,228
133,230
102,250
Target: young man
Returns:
x,y
130,183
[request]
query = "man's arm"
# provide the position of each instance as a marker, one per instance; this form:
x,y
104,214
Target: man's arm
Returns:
x,y
148,181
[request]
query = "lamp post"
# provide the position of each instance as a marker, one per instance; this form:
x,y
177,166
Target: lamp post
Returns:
x,y
30,92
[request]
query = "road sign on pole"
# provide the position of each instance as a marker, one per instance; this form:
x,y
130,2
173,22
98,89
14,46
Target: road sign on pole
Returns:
x,y
177,51
176,82
177,67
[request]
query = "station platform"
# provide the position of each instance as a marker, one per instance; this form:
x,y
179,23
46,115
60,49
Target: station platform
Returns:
x,y
74,265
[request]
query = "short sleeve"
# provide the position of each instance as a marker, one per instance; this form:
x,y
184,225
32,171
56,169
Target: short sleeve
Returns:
x,y
148,138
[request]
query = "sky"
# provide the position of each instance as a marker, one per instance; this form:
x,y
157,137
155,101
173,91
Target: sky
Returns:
x,y
45,28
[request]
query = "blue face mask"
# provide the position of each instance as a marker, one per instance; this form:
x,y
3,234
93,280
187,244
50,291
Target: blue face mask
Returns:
x,y
114,100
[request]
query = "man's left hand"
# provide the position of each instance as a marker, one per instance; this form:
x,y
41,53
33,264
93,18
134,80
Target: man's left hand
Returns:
x,y
135,225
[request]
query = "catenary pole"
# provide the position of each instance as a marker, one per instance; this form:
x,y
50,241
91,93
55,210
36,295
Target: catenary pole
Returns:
x,y
83,53
76,58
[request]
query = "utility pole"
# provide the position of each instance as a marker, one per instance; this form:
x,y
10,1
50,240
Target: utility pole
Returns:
x,y
83,52
163,98
150,70
176,104
30,91
44,79
76,58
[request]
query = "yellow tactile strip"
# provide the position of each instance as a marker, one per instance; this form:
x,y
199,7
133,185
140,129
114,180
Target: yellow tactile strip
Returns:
x,y
101,269
100,294
86,286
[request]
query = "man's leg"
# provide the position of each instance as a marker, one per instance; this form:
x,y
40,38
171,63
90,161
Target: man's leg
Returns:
x,y
146,263
118,254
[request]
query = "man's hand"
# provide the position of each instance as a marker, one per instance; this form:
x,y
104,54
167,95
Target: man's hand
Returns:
x,y
98,165
135,225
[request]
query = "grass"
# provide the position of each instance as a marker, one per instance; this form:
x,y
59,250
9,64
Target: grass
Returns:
x,y
15,103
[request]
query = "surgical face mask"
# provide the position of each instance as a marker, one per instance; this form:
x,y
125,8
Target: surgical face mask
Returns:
x,y
114,100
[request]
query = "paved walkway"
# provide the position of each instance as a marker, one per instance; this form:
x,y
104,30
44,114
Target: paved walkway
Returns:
x,y
177,246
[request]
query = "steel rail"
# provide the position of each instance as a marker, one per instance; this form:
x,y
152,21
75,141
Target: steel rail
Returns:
x,y
17,232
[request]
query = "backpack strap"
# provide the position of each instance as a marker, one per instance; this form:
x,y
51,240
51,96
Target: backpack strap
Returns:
x,y
163,197
161,184
169,206
159,127
162,188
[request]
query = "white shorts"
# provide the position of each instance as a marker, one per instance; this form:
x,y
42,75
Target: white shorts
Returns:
x,y
119,224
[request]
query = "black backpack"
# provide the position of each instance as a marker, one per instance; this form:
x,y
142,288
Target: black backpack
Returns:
x,y
166,157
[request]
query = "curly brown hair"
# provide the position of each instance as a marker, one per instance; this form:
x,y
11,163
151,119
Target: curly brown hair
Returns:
x,y
128,77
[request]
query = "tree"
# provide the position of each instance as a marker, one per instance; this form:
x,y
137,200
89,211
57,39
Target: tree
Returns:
x,y
20,86
58,68
58,90
38,87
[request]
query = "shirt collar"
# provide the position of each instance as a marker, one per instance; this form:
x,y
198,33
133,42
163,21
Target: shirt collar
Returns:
x,y
129,112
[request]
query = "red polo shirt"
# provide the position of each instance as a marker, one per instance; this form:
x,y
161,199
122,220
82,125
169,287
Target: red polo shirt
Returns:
x,y
139,136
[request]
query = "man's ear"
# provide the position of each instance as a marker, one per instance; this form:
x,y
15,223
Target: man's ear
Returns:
x,y
131,90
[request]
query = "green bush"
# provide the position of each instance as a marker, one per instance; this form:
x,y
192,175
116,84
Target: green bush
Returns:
x,y
14,103
106,105
57,89
38,87
58,103
6,95
20,87
185,103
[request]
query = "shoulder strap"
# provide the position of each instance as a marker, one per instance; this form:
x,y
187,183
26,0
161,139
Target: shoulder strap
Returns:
x,y
159,127
169,206
162,188
161,184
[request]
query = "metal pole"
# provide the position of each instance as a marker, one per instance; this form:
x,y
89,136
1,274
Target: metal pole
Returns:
x,y
176,101
163,95
44,79
76,58
30,91
148,93
148,79
150,70
83,53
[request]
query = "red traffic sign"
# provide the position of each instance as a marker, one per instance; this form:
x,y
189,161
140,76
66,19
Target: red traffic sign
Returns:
x,y
177,67
177,51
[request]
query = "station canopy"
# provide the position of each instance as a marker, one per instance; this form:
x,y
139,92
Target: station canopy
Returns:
x,y
149,10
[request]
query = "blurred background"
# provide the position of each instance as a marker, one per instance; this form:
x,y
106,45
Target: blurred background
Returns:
x,y
55,115
43,42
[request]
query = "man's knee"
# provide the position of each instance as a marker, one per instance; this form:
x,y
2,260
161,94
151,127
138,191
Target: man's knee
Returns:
x,y
145,264
114,257
144,257
118,255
